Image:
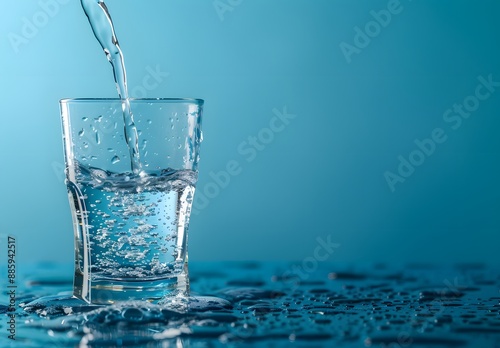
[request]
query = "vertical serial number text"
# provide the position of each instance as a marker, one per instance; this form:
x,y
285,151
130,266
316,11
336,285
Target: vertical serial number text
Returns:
x,y
11,287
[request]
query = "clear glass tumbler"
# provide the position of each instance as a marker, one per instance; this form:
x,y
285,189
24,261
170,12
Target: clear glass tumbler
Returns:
x,y
130,226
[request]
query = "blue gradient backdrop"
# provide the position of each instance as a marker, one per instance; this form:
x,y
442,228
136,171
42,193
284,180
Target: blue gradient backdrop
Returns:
x,y
322,176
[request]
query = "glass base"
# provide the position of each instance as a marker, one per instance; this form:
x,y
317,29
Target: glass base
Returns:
x,y
110,291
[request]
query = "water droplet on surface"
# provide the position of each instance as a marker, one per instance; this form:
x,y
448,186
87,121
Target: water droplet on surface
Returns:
x,y
134,314
115,159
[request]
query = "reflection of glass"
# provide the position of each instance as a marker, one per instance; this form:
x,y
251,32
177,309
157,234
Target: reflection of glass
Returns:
x,y
131,229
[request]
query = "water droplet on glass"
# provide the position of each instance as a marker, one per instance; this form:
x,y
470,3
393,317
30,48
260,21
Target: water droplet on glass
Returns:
x,y
81,133
115,159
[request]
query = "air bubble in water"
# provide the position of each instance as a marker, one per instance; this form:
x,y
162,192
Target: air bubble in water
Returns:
x,y
99,174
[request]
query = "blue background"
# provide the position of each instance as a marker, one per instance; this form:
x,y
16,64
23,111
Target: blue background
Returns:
x,y
323,175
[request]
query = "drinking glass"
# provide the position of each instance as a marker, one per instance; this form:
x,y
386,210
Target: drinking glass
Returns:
x,y
130,226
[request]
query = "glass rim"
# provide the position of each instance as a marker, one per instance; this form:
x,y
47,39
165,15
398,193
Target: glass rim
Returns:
x,y
146,100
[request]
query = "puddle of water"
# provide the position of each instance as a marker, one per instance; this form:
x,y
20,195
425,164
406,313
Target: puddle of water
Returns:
x,y
237,305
